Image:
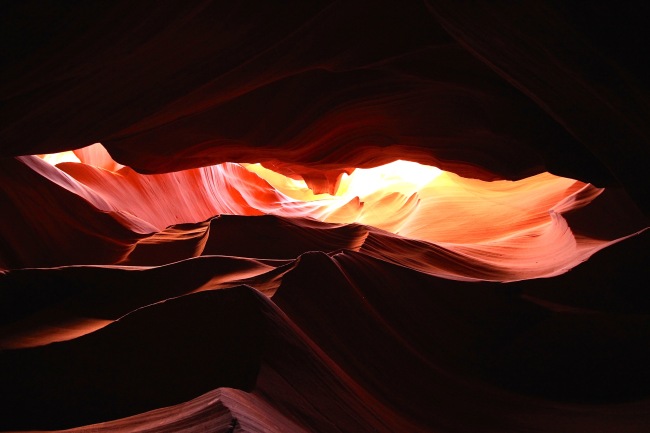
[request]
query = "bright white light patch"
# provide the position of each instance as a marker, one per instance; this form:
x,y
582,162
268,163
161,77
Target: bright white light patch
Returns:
x,y
404,177
400,176
55,158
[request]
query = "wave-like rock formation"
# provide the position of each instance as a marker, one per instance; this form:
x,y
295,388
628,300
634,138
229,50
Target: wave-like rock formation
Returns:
x,y
346,217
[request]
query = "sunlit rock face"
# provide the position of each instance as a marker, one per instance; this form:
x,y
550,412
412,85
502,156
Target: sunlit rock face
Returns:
x,y
324,217
500,230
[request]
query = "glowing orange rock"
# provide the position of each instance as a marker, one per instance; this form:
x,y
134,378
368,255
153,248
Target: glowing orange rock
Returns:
x,y
513,228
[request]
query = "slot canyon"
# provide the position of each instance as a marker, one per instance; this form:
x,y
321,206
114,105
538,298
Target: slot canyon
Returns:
x,y
325,216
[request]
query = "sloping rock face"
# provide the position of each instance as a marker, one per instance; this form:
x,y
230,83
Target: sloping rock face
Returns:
x,y
211,265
